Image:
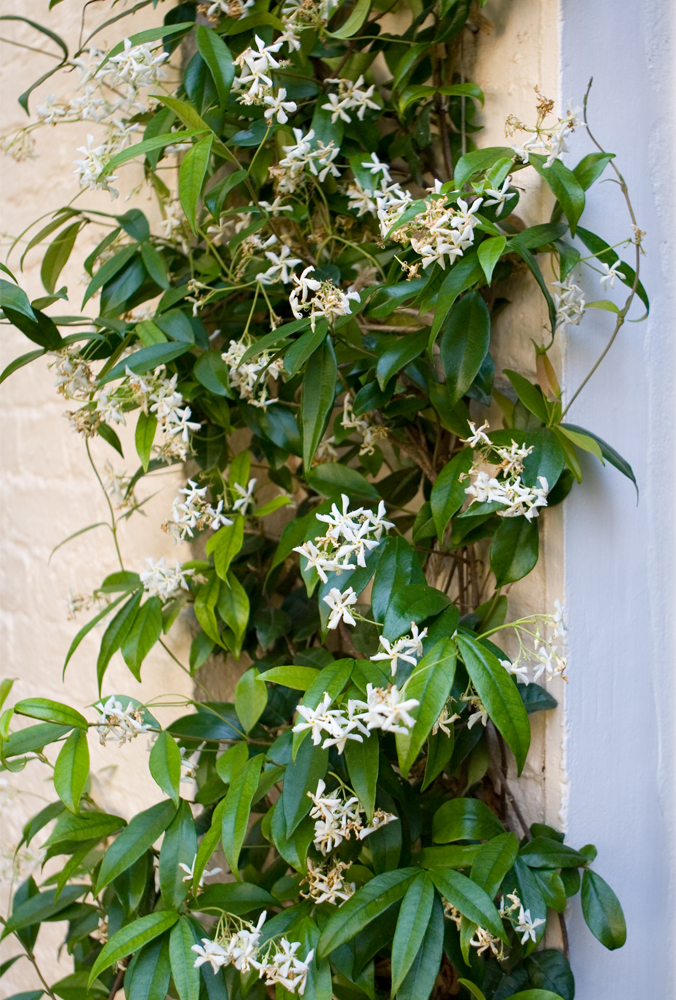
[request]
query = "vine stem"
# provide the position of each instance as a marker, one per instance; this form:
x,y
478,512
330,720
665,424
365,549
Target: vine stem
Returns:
x,y
196,680
113,522
31,957
625,309
117,984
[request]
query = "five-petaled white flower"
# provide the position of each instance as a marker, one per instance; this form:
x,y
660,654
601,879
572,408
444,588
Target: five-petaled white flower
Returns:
x,y
340,605
279,107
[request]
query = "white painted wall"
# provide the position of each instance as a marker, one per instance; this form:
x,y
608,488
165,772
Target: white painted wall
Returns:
x,y
619,557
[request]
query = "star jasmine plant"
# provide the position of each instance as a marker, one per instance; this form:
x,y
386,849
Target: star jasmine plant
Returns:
x,y
305,328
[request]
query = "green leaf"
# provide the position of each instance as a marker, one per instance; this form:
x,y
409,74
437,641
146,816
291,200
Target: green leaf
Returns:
x,y
154,264
226,544
354,21
13,297
150,145
57,254
462,275
464,819
422,975
41,907
25,359
417,92
545,852
71,769
51,711
331,479
110,437
364,906
499,694
448,491
607,255
529,394
109,270
234,897
186,977
469,898
514,549
149,976
179,846
298,678
85,826
608,453
233,607
602,911
165,765
604,304
397,357
473,989
550,970
535,995
237,808
206,599
132,937
478,161
231,762
146,427
319,390
413,603
591,167
251,697
143,830
302,776
216,55
145,360
191,177
414,916
215,199
534,268
362,761
116,633
143,634
430,683
565,186
489,253
211,371
493,861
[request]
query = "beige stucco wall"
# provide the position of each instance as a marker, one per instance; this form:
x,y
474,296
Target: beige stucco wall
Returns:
x,y
47,490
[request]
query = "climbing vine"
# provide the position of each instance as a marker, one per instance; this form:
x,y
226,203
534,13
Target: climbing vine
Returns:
x,y
315,307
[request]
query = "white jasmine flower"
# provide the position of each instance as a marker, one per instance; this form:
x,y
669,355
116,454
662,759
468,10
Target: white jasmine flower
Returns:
x,y
407,649
376,167
246,497
190,872
279,107
478,437
212,953
570,303
385,710
281,263
50,111
499,197
610,273
92,165
527,927
122,725
518,671
340,605
159,580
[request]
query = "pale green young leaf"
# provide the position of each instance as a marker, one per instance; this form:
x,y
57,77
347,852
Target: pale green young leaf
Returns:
x,y
298,678
251,697
165,765
130,938
191,177
237,808
51,711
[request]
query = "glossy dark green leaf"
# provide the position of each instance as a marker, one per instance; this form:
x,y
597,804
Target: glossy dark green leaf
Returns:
x,y
514,549
448,491
32,738
397,357
602,911
565,186
477,161
469,898
331,479
362,760
144,437
398,566
464,273
225,545
145,360
419,982
179,846
57,254
302,776
20,362
493,861
136,838
545,852
85,826
216,55
530,395
212,372
71,769
148,976
412,603
131,937
237,808
499,694
414,916
464,819
550,970
363,907
465,340
319,389
191,177
608,453
489,253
